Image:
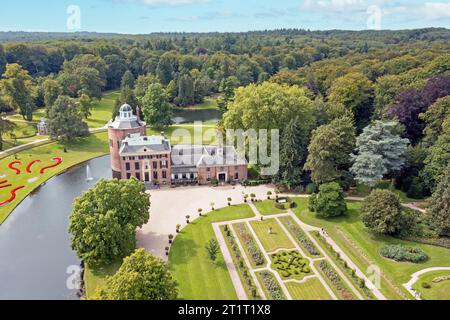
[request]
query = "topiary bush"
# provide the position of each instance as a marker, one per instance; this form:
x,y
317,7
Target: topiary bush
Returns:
x,y
403,253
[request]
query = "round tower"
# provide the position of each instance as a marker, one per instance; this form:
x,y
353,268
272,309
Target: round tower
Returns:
x,y
125,124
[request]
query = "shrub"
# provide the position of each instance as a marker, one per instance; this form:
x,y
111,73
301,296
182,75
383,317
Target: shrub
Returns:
x,y
272,286
382,212
329,202
253,249
426,285
311,188
403,253
300,235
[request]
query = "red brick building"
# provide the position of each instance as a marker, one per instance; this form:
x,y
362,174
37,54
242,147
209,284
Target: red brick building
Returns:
x,y
153,160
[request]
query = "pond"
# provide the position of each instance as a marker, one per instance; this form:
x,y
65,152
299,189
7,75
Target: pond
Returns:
x,y
35,253
190,115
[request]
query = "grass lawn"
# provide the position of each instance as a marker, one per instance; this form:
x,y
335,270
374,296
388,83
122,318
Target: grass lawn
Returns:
x,y
95,279
267,207
363,247
101,110
438,291
311,289
198,277
79,151
271,242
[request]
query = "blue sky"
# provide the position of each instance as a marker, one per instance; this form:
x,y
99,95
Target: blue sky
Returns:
x,y
144,16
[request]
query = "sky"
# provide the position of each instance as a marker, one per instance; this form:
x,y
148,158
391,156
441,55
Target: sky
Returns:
x,y
146,16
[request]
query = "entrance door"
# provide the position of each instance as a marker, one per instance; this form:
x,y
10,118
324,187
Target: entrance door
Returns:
x,y
222,177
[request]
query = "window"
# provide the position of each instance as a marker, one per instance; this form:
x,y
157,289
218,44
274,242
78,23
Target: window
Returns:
x,y
127,166
138,176
147,176
136,166
164,175
155,165
164,164
118,144
236,176
155,175
128,175
208,169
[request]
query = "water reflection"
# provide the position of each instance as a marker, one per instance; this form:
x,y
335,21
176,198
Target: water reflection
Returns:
x,y
35,248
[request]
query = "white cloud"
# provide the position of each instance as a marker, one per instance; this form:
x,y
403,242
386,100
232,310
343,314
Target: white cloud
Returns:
x,y
437,10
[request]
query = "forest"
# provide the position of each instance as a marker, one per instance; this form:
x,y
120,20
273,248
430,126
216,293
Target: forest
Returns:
x,y
331,93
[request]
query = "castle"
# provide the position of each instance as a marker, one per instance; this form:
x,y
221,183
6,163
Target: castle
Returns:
x,y
153,160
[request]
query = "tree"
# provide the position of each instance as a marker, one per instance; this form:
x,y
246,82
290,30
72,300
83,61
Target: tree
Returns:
x,y
52,90
440,205
410,104
104,220
355,91
269,106
434,118
65,121
84,103
329,202
381,150
6,126
127,80
2,60
212,248
292,154
382,212
156,107
226,88
185,91
330,149
116,66
141,277
16,87
165,70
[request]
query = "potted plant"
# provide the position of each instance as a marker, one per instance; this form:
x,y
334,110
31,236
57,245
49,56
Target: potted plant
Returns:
x,y
253,196
200,210
269,194
245,198
212,204
187,219
167,251
178,228
171,238
229,201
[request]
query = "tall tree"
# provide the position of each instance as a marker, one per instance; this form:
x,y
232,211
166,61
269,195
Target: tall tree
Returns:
x,y
434,118
65,121
440,205
355,91
381,150
156,107
104,220
141,277
185,91
330,149
85,105
128,80
292,154
16,87
2,59
52,90
226,88
6,126
329,202
165,69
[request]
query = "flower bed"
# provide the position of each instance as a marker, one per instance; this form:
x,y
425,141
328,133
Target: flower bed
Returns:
x,y
335,280
250,245
241,267
271,285
403,253
302,238
359,282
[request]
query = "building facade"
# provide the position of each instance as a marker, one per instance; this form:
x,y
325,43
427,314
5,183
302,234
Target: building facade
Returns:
x,y
153,160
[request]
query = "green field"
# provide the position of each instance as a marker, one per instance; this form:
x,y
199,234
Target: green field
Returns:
x,y
267,207
101,110
95,279
363,247
276,240
198,277
311,289
438,291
